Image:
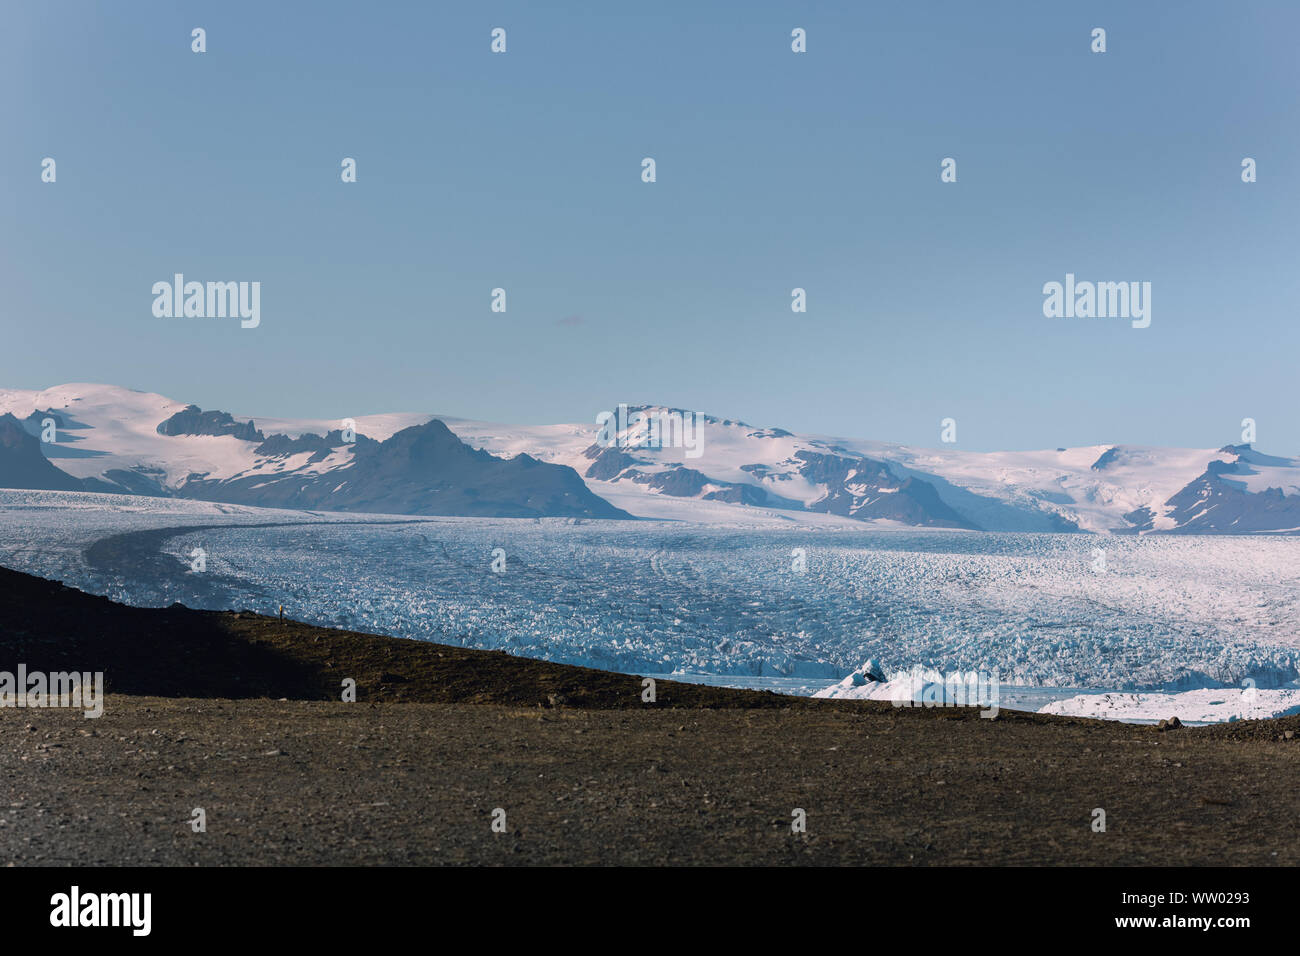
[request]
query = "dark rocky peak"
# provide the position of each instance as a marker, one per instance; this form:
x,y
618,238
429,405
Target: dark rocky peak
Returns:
x,y
193,420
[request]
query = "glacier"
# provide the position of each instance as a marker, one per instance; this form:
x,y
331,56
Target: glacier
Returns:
x,y
715,602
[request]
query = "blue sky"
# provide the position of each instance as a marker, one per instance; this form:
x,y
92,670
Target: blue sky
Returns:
x,y
775,170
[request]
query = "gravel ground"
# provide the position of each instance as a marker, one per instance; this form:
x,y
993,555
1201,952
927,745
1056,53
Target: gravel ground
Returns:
x,y
319,782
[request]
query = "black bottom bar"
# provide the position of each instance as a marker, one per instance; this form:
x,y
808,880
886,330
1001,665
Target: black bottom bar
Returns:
x,y
338,906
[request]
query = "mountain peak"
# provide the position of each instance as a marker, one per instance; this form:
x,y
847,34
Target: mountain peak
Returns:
x,y
22,465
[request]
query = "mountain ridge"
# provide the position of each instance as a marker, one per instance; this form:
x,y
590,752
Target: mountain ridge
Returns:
x,y
144,447
115,439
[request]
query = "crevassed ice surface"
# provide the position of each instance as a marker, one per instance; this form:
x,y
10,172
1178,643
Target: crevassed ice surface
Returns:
x,y
659,597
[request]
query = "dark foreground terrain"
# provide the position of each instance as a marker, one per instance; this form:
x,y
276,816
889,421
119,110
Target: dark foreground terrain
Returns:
x,y
585,770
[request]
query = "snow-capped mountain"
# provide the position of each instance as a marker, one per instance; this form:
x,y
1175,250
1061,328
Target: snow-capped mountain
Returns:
x,y
109,439
114,439
1113,489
